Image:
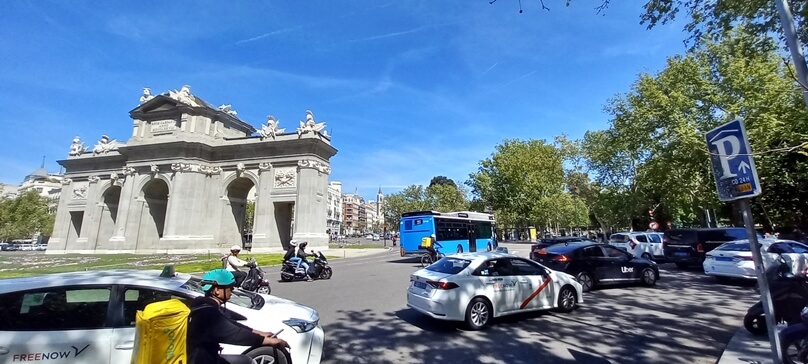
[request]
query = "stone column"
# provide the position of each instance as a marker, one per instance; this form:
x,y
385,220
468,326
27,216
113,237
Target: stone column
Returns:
x,y
61,224
311,206
92,215
265,230
125,206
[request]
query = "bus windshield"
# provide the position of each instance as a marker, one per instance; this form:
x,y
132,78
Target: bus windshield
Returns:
x,y
461,231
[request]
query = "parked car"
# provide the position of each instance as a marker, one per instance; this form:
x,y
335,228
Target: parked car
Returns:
x,y
594,264
639,244
734,259
687,247
89,316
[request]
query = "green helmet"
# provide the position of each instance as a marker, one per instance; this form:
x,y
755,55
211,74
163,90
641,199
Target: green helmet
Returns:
x,y
217,277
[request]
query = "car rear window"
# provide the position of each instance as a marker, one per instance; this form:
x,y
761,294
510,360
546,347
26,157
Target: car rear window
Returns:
x,y
681,236
619,238
566,247
449,265
735,247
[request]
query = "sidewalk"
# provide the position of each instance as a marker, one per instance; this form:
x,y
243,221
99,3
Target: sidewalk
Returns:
x,y
351,253
745,348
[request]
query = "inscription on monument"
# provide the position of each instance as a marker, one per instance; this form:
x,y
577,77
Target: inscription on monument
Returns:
x,y
163,126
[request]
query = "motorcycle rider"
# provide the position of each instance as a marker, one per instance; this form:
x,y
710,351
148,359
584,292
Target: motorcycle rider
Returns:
x,y
209,326
234,263
301,253
429,244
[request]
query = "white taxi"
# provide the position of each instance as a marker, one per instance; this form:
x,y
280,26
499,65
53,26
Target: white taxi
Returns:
x,y
474,287
89,317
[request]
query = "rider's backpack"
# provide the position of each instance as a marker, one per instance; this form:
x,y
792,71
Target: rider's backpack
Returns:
x,y
161,331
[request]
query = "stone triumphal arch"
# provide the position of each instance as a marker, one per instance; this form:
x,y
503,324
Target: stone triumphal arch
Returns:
x,y
182,181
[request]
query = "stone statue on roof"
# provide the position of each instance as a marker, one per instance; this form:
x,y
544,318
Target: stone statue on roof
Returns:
x,y
146,95
77,148
271,129
184,96
310,126
228,109
105,145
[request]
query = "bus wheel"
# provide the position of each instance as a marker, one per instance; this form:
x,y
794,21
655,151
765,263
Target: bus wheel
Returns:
x,y
459,249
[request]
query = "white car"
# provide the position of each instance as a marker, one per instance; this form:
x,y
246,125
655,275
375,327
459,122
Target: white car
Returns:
x,y
642,245
474,287
89,317
734,259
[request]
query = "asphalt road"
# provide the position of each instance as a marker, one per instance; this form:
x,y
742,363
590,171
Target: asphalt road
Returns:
x,y
686,318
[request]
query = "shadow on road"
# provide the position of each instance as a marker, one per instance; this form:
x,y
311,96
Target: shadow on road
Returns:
x,y
685,319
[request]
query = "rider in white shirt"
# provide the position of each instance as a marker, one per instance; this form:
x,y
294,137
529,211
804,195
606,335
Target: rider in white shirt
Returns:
x,y
234,263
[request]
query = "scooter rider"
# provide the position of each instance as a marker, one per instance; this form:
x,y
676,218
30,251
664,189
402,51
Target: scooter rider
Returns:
x,y
234,263
301,253
429,244
209,326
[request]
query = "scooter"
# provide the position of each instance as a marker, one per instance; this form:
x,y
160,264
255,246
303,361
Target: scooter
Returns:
x,y
255,280
318,269
789,296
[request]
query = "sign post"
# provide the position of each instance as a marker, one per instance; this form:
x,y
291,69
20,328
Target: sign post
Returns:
x,y
736,179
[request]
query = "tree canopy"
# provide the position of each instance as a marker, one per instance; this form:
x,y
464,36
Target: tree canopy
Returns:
x,y
24,216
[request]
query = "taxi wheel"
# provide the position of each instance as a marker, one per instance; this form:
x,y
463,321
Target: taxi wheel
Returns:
x,y
270,355
567,299
648,277
586,281
478,313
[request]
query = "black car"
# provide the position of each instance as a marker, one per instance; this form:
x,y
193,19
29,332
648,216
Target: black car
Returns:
x,y
690,246
595,264
553,241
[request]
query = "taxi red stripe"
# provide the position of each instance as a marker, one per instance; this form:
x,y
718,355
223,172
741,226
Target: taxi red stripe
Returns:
x,y
536,292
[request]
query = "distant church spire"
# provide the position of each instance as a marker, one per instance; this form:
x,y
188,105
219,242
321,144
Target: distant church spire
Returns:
x,y
43,162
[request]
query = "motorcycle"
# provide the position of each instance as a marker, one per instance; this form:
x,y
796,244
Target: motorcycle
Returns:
x,y
255,281
318,269
789,296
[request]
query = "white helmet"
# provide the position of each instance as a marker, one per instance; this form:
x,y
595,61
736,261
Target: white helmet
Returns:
x,y
235,248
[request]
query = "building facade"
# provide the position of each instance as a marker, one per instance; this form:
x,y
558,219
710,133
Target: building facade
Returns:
x,y
181,182
335,209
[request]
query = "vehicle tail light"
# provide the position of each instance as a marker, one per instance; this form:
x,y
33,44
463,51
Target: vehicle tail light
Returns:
x,y
632,244
542,252
442,285
664,243
700,248
561,258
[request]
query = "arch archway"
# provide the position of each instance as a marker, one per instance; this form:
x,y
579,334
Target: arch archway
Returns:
x,y
153,216
237,219
109,214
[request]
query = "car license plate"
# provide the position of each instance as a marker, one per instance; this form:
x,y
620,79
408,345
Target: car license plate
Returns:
x,y
681,254
420,285
723,259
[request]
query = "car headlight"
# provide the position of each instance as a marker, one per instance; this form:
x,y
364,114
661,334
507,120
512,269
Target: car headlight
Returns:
x,y
301,325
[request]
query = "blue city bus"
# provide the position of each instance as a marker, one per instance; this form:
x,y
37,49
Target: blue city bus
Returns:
x,y
462,231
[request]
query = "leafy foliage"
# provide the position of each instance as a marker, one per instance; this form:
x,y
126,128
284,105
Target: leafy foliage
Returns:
x,y
24,216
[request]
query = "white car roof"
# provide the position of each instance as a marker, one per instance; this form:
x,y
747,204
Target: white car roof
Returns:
x,y
150,278
477,258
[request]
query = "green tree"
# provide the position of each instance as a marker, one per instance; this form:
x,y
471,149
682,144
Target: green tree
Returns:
x,y
249,217
24,216
441,180
528,175
446,197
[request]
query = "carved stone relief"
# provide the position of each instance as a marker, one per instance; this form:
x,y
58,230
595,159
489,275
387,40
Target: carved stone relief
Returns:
x,y
77,148
264,166
310,126
93,179
271,129
80,193
285,177
319,166
104,145
66,181
128,171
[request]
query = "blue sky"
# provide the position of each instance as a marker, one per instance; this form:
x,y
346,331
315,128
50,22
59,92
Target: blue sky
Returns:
x,y
408,89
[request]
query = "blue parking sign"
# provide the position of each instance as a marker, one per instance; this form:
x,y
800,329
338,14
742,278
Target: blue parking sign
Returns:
x,y
732,161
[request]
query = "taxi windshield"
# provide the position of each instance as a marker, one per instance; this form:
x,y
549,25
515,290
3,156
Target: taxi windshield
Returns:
x,y
239,297
449,265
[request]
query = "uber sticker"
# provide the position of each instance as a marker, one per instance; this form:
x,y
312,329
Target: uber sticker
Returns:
x,y
627,269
